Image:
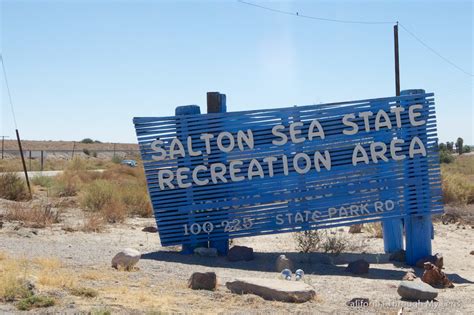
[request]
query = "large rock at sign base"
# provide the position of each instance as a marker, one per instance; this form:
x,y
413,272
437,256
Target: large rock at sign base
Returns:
x,y
126,259
358,267
273,289
203,281
283,262
238,253
435,277
416,291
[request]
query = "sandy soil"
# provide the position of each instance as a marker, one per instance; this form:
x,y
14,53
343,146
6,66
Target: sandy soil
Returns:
x,y
160,283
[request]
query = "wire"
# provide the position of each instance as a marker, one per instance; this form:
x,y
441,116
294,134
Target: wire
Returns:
x,y
8,91
314,17
361,22
434,51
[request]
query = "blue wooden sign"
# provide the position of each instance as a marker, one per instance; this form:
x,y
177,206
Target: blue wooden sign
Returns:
x,y
225,175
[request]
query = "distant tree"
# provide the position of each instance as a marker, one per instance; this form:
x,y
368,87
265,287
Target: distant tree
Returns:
x,y
459,145
87,140
466,149
442,147
97,141
449,146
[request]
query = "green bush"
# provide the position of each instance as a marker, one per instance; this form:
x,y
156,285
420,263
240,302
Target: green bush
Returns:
x,y
35,301
12,187
445,157
97,194
43,181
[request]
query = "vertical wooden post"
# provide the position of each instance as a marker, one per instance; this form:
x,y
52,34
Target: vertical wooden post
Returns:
x,y
216,103
397,60
42,161
182,129
29,157
418,228
393,229
23,162
3,143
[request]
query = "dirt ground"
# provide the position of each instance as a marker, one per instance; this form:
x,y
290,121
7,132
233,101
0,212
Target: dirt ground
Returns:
x,y
57,259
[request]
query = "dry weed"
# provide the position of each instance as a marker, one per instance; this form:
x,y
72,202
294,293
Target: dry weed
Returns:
x,y
374,229
35,216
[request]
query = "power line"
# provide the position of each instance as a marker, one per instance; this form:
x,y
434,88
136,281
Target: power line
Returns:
x,y
8,91
297,14
434,51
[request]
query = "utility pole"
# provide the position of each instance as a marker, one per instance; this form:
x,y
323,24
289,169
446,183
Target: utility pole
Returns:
x,y
397,60
3,143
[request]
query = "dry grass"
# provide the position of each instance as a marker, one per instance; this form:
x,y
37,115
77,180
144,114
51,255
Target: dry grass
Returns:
x,y
374,229
12,187
458,181
93,222
12,279
35,216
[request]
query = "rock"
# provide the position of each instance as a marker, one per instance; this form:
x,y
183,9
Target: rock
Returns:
x,y
409,276
126,259
416,291
238,253
356,228
205,252
203,281
398,256
283,262
435,277
472,252
273,289
1,224
358,267
358,302
436,259
150,229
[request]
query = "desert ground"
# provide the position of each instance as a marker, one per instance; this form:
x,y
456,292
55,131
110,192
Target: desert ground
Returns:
x,y
63,240
59,258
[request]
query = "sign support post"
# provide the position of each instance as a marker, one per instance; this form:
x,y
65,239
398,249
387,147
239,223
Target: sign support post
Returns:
x,y
393,229
216,103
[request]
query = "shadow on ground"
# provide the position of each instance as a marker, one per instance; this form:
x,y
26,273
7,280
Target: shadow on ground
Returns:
x,y
311,263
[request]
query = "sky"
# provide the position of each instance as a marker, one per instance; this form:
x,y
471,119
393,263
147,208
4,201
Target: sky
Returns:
x,y
80,69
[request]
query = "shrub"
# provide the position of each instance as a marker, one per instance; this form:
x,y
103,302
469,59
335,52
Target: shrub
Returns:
x,y
35,301
86,152
66,185
334,243
97,194
308,241
84,292
457,189
466,149
38,216
93,223
43,181
445,157
114,211
136,201
12,187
